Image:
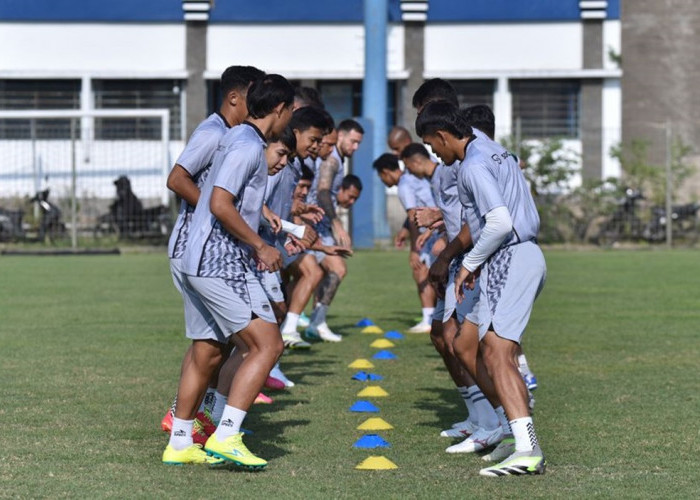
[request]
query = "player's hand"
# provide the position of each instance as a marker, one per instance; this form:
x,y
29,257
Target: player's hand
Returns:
x,y
401,237
438,275
438,246
438,225
422,238
293,245
336,250
309,238
414,261
464,279
270,257
274,220
426,216
313,213
341,236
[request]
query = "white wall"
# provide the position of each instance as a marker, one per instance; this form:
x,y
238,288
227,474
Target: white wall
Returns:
x,y
612,39
479,48
73,48
612,125
300,50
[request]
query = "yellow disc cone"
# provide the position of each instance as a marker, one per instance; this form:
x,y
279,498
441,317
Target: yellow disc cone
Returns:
x,y
372,391
372,329
382,344
360,363
376,463
375,424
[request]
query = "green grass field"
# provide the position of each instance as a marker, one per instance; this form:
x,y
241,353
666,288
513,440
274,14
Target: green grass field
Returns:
x,y
90,349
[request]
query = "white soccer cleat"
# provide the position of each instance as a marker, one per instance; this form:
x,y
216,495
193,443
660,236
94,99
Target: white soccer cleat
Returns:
x,y
504,449
461,429
322,332
480,440
304,321
279,375
421,327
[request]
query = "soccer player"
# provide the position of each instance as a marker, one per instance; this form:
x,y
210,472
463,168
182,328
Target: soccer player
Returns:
x,y
222,252
413,193
329,183
503,224
186,179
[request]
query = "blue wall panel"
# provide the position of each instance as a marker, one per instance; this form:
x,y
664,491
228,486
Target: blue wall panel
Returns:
x,y
91,10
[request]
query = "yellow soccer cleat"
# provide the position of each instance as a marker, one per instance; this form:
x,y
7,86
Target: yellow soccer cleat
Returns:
x,y
191,455
233,450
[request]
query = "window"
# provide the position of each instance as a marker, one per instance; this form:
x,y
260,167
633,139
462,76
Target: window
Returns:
x,y
472,92
546,108
137,94
343,99
38,94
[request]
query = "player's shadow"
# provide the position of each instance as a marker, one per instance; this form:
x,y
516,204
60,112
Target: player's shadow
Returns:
x,y
268,436
445,405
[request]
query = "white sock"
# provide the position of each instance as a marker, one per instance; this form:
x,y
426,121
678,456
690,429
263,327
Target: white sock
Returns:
x,y
503,419
181,434
218,408
208,400
488,419
522,365
319,315
524,433
464,392
427,314
289,325
230,424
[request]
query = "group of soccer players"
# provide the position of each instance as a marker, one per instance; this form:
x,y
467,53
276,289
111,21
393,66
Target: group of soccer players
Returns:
x,y
259,233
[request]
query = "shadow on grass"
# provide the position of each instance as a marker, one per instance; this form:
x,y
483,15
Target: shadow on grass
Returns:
x,y
444,404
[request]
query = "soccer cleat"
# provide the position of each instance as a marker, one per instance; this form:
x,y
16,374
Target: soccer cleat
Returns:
x,y
478,441
321,332
167,423
233,450
530,381
198,435
191,455
262,399
205,421
520,463
277,373
274,384
304,320
421,327
460,430
294,341
504,449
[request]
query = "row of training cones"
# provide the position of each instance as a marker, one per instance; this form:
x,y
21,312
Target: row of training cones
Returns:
x,y
370,441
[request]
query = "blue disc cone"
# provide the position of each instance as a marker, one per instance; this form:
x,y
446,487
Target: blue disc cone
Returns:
x,y
374,376
371,441
365,322
364,407
362,376
393,334
384,355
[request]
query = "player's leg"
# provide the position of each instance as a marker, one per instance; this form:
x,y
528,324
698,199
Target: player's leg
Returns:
x,y
307,275
334,271
427,297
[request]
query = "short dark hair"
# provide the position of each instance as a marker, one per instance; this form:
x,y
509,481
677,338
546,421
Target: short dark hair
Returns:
x,y
267,93
305,118
415,148
349,124
442,115
351,180
309,96
288,138
480,116
239,78
387,161
306,173
436,89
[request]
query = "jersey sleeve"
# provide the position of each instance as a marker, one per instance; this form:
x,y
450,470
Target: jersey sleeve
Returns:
x,y
236,169
199,151
407,195
483,186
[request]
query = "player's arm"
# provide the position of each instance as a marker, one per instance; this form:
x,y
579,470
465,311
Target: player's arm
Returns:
x,y
327,171
222,207
427,216
181,183
440,268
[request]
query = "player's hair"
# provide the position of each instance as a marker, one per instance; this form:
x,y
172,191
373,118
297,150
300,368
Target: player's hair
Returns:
x,y
415,148
267,93
480,116
239,78
351,180
436,89
305,118
387,161
288,138
306,173
441,115
308,96
349,124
